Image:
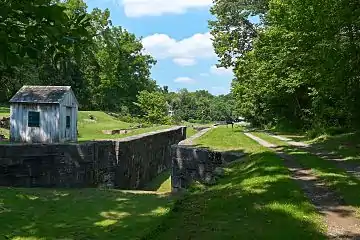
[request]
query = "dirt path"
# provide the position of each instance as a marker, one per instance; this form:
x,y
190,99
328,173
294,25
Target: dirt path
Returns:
x,y
351,168
339,217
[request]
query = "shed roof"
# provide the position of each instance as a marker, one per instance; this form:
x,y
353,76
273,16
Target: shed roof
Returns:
x,y
40,94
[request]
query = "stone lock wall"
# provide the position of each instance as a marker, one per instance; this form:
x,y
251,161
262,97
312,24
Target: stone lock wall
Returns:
x,y
198,164
127,163
189,164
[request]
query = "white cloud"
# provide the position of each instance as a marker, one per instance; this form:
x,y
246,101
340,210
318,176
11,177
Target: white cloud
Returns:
x,y
221,71
139,8
186,80
185,61
198,46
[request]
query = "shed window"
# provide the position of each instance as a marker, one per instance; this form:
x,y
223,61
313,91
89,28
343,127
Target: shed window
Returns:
x,y
67,121
33,119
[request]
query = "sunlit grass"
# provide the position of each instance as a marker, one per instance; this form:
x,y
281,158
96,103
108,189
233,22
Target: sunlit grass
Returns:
x,y
343,183
34,214
92,129
256,200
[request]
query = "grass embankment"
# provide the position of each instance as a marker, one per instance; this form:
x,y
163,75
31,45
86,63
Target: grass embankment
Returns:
x,y
39,214
190,132
344,184
92,129
256,200
346,146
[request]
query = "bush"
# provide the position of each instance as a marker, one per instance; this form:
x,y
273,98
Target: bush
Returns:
x,y
336,130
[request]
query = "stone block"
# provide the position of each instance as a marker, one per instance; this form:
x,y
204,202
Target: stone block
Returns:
x,y
128,163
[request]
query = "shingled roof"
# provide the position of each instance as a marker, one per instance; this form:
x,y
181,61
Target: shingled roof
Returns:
x,y
40,94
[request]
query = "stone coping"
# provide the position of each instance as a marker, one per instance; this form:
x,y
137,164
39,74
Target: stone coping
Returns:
x,y
125,139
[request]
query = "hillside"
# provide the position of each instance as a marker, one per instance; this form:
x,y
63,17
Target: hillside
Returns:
x,y
91,129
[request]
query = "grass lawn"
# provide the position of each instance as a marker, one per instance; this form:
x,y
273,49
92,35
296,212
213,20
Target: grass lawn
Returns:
x,y
346,146
41,214
4,111
190,132
92,130
344,184
256,200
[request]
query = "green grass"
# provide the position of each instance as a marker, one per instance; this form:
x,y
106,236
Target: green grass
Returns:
x,y
346,146
256,200
41,214
161,184
190,132
92,130
4,111
270,139
344,184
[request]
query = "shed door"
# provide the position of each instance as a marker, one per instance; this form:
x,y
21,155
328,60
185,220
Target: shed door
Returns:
x,y
68,123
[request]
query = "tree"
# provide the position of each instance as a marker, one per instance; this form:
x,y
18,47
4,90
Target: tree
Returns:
x,y
232,30
301,69
154,106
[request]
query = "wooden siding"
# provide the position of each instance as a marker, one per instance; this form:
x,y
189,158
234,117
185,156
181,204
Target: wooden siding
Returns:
x,y
69,100
48,132
52,121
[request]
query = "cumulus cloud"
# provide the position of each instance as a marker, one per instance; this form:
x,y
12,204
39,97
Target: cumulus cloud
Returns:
x,y
185,80
198,46
184,61
221,71
139,8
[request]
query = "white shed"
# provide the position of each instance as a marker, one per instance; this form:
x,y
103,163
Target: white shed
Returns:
x,y
43,114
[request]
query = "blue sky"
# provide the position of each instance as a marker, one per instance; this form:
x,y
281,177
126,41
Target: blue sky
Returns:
x,y
176,33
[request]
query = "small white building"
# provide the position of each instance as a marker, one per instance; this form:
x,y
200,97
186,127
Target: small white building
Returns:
x,y
43,114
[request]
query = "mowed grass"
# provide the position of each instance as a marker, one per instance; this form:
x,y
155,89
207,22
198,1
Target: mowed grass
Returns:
x,y
343,183
347,146
190,132
92,130
256,200
41,214
4,111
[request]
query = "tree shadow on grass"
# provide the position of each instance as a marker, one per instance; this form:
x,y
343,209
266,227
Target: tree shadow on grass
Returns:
x,y
343,184
256,200
346,146
79,214
157,184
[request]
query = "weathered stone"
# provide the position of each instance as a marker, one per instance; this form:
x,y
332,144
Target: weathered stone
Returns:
x,y
209,180
198,164
128,163
219,172
116,131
